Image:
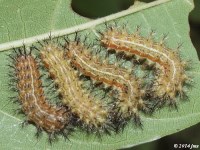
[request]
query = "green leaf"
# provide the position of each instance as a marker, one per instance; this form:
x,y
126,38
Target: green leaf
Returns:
x,y
27,21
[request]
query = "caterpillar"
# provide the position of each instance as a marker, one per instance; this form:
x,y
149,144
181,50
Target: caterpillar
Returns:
x,y
92,114
170,69
45,116
131,95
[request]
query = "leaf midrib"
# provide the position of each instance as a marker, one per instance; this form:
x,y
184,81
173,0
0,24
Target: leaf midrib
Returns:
x,y
91,24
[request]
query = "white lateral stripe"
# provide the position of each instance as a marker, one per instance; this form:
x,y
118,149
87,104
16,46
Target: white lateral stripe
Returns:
x,y
119,76
150,49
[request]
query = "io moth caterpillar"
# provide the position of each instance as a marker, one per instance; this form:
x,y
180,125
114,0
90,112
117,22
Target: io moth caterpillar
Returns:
x,y
170,76
93,114
45,116
130,99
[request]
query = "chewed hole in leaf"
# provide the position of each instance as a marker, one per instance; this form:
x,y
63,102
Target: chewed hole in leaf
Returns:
x,y
93,8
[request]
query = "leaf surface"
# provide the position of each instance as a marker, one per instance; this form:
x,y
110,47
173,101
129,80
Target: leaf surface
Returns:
x,y
34,20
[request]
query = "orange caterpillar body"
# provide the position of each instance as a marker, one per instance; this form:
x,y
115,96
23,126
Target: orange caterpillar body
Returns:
x,y
51,118
130,99
170,76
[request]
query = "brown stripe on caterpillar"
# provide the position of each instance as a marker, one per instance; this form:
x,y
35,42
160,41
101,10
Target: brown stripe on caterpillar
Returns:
x,y
170,74
130,99
91,113
45,116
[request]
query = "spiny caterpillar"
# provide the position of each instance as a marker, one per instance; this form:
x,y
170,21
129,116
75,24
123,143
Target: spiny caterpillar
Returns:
x,y
68,62
45,116
131,96
170,75
92,114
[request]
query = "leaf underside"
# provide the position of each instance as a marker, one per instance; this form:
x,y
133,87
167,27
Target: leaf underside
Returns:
x,y
22,19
